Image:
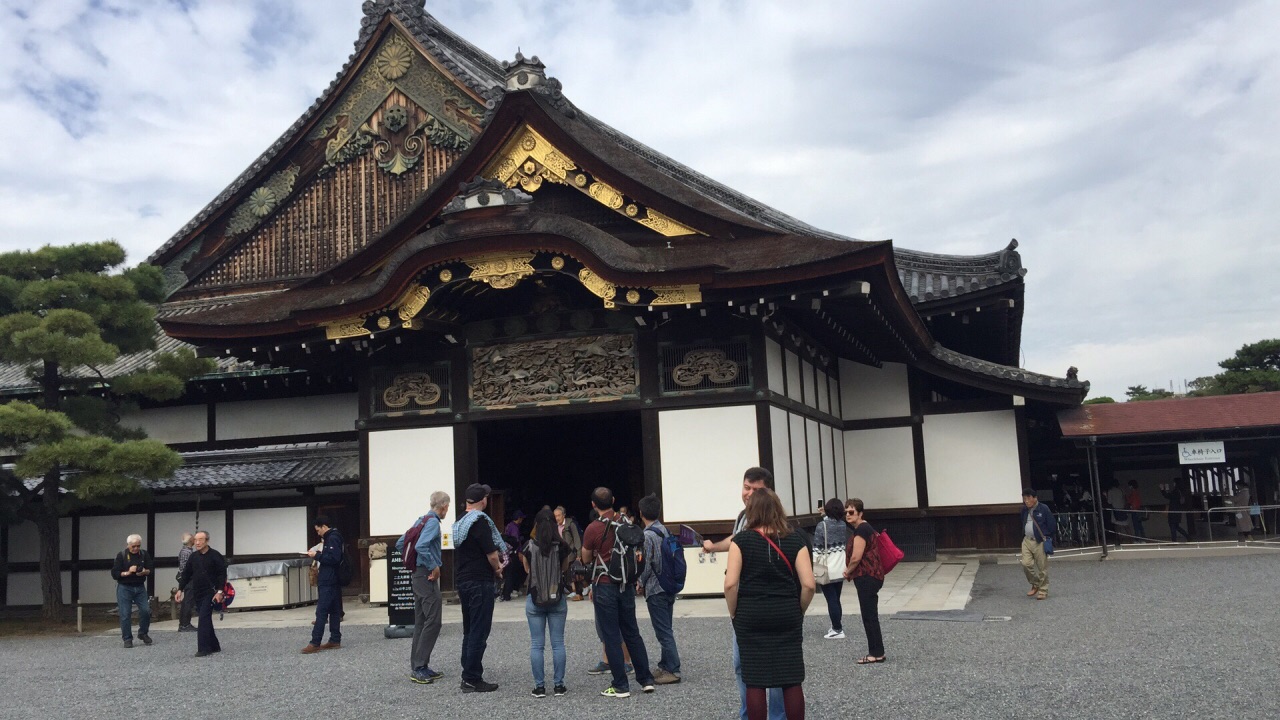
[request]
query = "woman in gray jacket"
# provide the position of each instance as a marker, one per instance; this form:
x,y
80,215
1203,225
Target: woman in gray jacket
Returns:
x,y
830,535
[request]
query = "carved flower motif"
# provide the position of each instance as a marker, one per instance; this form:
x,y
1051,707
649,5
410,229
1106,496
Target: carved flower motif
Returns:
x,y
396,117
262,201
394,60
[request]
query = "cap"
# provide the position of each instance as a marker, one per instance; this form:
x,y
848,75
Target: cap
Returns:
x,y
477,492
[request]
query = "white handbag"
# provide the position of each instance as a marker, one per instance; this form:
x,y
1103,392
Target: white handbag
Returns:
x,y
829,562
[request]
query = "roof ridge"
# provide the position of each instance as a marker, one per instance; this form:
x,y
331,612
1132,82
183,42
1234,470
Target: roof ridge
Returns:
x,y
1006,372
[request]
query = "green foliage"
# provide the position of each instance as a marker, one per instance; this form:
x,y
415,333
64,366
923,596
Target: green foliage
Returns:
x,y
1254,368
1137,393
22,423
1100,400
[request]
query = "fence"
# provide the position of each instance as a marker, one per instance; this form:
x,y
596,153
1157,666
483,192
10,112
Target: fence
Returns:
x,y
1076,529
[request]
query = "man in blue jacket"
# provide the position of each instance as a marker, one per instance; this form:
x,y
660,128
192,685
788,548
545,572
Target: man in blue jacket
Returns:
x,y
329,590
1038,525
426,589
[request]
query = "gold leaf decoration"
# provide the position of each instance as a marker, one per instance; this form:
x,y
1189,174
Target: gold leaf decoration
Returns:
x,y
394,60
598,286
605,195
676,295
633,297
501,271
714,365
417,387
413,302
557,263
345,328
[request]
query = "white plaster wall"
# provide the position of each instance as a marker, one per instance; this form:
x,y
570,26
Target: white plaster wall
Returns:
x,y
287,416
972,458
841,469
97,586
823,392
24,541
880,467
773,361
834,390
102,536
182,424
793,377
830,483
782,482
171,525
810,392
24,588
800,469
405,467
704,453
813,444
868,392
269,531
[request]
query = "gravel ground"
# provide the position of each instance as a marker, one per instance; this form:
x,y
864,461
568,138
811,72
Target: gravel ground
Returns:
x,y
1146,638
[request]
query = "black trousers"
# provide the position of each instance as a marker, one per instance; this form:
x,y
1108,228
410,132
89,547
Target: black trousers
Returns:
x,y
512,579
185,608
206,639
831,591
869,604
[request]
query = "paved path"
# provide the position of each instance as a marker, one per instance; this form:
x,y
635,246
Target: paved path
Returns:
x,y
911,586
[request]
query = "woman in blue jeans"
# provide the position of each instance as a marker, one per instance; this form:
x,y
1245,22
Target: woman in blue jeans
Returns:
x,y
831,535
546,563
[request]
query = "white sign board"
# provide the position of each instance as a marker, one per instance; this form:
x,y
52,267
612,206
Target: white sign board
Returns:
x,y
1201,453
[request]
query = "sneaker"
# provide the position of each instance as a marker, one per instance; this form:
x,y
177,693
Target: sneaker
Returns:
x,y
433,674
575,596
834,635
613,692
601,668
539,692
146,639
662,677
647,687
478,686
561,690
128,643
630,669
421,677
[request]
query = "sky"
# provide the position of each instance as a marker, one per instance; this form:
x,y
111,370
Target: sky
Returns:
x,y
1127,146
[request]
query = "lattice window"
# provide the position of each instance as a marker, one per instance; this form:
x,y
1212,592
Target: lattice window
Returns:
x,y
705,366
410,391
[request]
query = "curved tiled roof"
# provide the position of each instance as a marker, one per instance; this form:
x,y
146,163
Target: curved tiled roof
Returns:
x,y
1005,372
929,276
1177,415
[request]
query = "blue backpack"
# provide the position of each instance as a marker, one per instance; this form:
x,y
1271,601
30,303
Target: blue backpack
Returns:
x,y
672,573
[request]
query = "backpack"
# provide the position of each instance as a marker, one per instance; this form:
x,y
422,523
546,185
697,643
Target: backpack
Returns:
x,y
346,567
546,583
623,564
673,568
410,554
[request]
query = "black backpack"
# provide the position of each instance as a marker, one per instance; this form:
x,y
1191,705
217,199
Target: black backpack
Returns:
x,y
623,564
546,582
346,567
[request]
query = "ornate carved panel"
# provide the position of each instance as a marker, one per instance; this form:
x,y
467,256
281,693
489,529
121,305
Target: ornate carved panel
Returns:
x,y
595,367
410,390
705,366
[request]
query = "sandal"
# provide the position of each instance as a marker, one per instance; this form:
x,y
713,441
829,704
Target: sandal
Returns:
x,y
870,659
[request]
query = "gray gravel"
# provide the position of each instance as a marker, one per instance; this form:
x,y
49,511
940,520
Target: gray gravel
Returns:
x,y
1149,638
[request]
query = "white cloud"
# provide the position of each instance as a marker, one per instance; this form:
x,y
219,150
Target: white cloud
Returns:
x,y
1128,147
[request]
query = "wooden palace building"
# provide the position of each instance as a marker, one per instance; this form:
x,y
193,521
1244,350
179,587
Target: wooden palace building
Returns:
x,y
524,296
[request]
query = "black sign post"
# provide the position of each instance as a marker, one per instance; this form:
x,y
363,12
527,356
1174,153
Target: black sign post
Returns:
x,y
399,596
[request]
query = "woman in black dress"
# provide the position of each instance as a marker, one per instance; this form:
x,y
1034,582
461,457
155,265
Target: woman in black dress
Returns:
x,y
864,569
768,586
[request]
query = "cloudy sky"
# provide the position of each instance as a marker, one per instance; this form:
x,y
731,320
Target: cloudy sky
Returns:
x,y
1127,146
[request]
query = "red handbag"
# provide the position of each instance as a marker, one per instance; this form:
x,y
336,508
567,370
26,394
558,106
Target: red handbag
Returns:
x,y
890,555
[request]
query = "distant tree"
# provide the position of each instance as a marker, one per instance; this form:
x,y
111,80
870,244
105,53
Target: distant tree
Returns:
x,y
66,313
1254,368
1100,400
1140,392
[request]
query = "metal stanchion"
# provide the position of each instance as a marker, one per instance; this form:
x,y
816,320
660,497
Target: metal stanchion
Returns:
x,y
1099,529
79,618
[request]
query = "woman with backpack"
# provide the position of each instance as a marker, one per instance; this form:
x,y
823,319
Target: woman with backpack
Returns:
x,y
829,539
546,559
768,585
865,570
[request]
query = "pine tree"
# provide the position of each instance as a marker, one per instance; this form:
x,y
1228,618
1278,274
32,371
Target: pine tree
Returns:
x,y
66,313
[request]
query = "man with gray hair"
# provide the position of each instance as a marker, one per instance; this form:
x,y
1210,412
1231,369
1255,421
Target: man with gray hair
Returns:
x,y
422,542
130,571
184,607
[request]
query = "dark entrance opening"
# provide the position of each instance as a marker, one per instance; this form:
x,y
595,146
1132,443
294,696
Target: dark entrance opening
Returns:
x,y
558,460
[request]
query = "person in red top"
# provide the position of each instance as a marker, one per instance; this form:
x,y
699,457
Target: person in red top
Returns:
x,y
615,606
1133,500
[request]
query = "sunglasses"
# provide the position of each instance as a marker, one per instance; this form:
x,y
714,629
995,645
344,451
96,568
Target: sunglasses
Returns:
x,y
850,512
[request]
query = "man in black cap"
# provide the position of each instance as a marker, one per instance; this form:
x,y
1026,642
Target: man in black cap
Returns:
x,y
477,566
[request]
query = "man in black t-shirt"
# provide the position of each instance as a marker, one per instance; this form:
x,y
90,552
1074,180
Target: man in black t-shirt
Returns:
x,y
476,567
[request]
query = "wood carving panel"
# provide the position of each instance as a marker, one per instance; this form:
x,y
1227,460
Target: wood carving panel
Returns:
x,y
538,371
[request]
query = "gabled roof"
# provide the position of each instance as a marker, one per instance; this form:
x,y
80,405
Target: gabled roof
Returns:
x,y
929,277
1179,415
